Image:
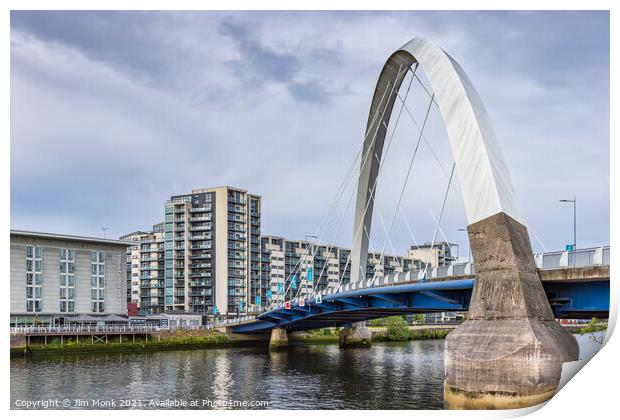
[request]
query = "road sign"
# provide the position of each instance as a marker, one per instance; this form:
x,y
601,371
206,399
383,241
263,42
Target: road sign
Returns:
x,y
570,247
302,302
287,305
318,299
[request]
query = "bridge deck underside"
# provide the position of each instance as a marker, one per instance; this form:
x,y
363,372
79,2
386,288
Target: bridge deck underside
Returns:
x,y
570,298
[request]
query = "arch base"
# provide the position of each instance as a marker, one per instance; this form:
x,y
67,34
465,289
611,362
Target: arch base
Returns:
x,y
509,352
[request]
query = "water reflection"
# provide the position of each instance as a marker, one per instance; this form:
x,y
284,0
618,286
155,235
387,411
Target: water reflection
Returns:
x,y
386,376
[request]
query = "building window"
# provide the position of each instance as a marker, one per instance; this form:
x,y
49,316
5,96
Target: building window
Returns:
x,y
97,281
67,280
34,278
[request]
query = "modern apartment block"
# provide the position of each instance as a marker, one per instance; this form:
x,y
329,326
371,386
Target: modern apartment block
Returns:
x,y
133,265
439,255
212,252
152,270
57,276
285,265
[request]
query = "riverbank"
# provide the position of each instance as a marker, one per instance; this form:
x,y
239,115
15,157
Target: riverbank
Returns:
x,y
201,339
164,341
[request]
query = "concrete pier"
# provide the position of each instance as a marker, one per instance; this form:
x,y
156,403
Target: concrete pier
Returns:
x,y
278,340
357,335
509,352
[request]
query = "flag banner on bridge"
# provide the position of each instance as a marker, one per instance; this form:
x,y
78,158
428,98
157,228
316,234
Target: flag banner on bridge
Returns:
x,y
214,310
287,305
294,281
280,288
257,300
310,274
269,294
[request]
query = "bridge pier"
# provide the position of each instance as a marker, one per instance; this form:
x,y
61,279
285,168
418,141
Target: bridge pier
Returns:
x,y
357,335
278,340
509,352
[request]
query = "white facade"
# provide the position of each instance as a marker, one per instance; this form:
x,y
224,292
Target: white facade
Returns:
x,y
62,275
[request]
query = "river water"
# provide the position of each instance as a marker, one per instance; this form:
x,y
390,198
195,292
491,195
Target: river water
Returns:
x,y
320,376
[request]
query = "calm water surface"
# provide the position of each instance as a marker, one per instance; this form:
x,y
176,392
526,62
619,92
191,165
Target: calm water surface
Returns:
x,y
387,376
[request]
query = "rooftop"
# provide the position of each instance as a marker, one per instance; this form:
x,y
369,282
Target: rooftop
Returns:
x,y
30,234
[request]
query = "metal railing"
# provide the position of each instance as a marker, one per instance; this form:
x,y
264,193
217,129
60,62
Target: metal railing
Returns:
x,y
81,329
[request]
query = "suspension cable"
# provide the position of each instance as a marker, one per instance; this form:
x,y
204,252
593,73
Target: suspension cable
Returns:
x,y
443,205
375,184
295,268
402,191
387,150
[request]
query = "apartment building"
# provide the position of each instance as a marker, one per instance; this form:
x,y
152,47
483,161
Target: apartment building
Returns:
x,y
152,271
212,252
133,265
286,266
439,254
55,276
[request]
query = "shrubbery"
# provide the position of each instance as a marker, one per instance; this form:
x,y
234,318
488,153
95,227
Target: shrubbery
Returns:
x,y
397,329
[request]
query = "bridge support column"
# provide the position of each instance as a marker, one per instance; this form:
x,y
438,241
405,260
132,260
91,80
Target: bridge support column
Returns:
x,y
509,352
278,340
357,335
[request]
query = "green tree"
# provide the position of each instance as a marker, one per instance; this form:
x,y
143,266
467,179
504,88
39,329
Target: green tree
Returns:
x,y
592,328
397,329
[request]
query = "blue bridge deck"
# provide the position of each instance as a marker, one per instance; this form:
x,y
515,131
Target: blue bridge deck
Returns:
x,y
579,298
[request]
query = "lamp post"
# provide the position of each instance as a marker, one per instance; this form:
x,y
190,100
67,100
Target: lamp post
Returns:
x,y
465,230
574,201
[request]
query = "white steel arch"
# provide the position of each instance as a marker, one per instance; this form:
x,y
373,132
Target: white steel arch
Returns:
x,y
485,182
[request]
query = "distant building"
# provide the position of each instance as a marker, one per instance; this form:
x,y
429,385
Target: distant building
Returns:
x,y
212,251
441,254
57,276
133,265
285,264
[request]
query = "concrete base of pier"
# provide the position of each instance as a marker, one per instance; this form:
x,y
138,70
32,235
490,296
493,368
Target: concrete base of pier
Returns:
x,y
279,339
357,335
509,353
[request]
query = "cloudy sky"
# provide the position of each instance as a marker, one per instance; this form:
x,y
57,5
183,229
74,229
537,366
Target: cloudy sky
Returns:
x,y
112,113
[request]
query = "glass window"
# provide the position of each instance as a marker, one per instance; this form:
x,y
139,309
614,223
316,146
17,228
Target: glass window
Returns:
x,y
38,252
63,253
29,252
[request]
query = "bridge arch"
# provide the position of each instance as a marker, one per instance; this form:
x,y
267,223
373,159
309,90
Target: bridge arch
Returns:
x,y
485,182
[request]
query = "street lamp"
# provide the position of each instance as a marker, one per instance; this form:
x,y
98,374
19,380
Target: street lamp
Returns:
x,y
574,201
465,230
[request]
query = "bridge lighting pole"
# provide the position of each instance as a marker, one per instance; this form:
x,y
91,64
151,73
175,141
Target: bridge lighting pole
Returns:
x,y
574,201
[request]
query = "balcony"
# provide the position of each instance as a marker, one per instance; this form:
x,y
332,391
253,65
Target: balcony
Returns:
x,y
200,283
200,209
200,227
201,246
200,238
200,274
200,219
200,256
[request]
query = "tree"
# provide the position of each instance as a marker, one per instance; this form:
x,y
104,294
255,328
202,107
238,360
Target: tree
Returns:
x,y
397,329
592,328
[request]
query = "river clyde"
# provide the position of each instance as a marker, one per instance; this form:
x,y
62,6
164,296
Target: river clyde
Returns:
x,y
306,376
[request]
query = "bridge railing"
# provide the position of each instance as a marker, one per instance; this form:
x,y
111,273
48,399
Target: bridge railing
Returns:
x,y
559,259
579,258
81,329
